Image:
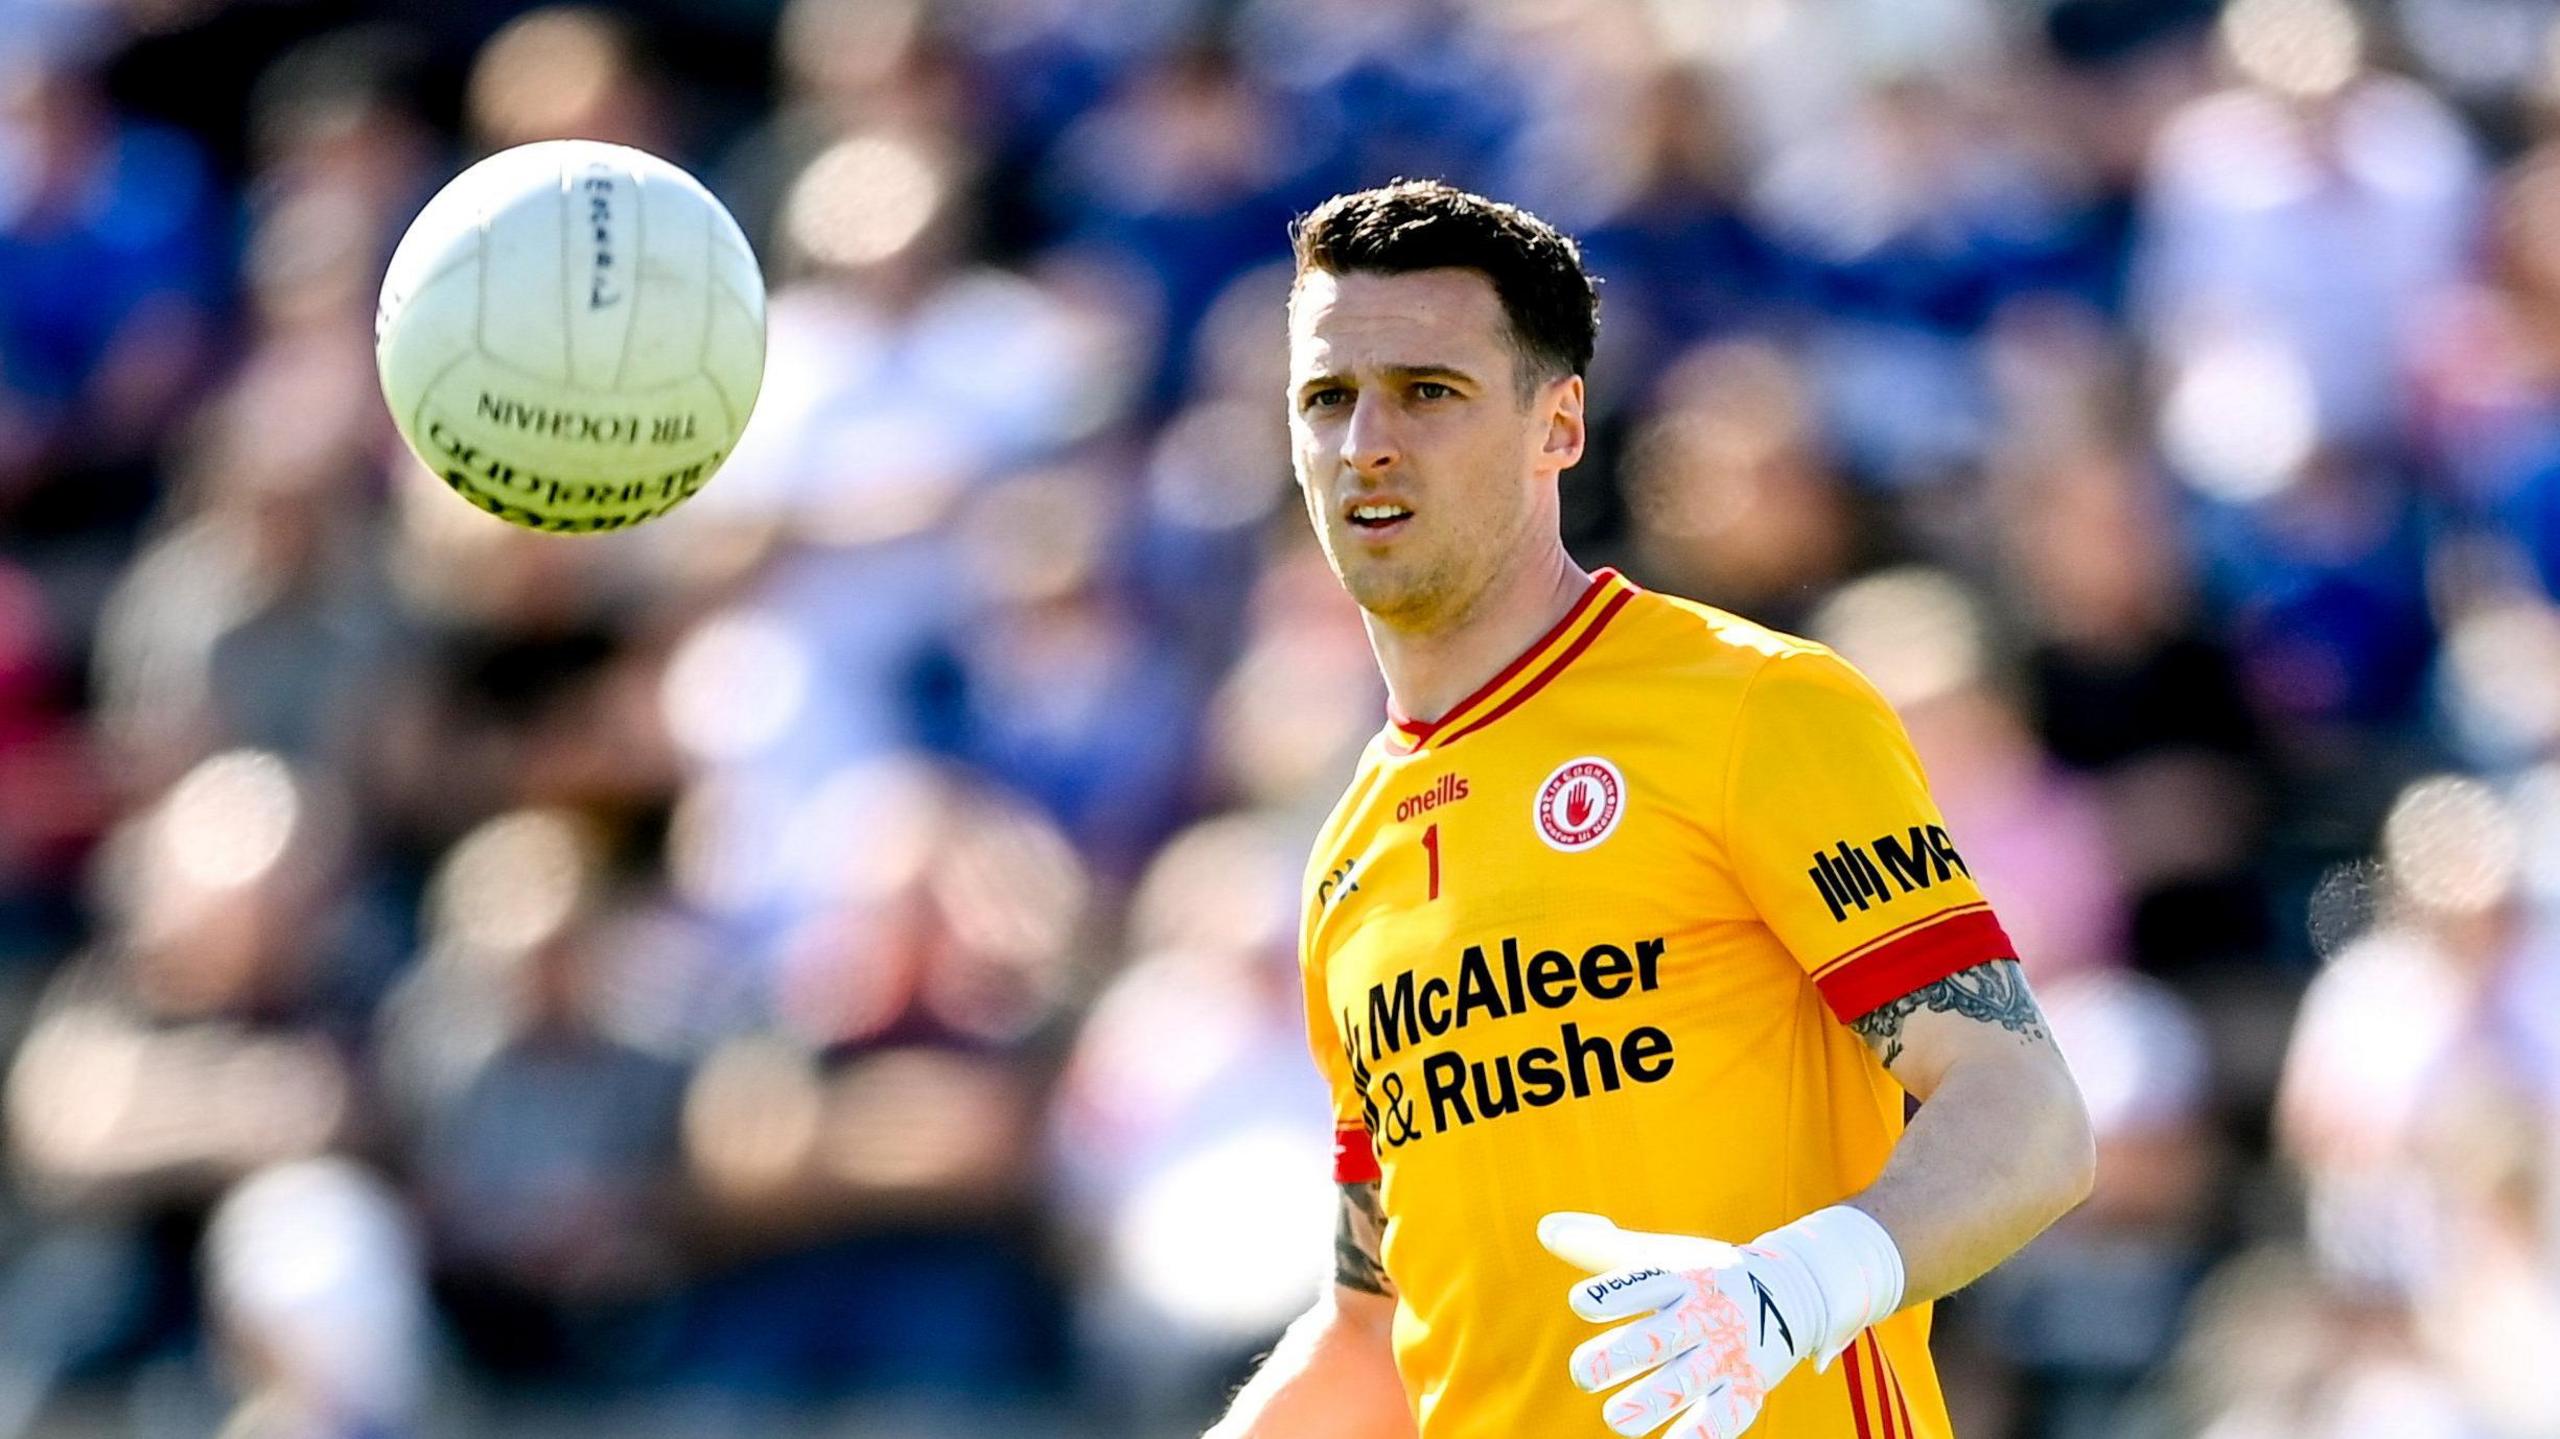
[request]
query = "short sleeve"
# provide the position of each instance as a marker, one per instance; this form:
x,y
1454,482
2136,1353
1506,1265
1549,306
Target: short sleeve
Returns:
x,y
1837,843
1355,1157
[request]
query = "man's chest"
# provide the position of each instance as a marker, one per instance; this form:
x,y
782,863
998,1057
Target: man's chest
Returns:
x,y
1486,840
1496,881
1527,928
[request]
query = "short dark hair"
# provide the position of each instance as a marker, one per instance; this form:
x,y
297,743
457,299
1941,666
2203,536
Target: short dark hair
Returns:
x,y
1550,300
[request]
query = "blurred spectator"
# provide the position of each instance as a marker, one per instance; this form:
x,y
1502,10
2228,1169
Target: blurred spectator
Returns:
x,y
566,72
2416,1101
844,69
1186,175
1301,698
2033,834
2324,585
2276,1351
2489,382
545,1143
867,1171
1391,86
2397,1019
214,1029
112,250
910,370
255,622
1217,483
2132,692
1656,203
313,1272
1732,496
53,793
1055,665
2308,210
1187,1129
211,1004
344,160
1907,226
2488,357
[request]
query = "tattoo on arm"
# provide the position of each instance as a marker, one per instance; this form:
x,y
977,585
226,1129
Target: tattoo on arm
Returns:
x,y
1356,1241
1993,993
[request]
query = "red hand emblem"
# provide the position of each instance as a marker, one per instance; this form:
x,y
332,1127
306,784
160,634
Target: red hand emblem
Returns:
x,y
1577,805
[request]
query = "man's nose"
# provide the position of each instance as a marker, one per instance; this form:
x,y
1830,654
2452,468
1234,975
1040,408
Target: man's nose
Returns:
x,y
1369,442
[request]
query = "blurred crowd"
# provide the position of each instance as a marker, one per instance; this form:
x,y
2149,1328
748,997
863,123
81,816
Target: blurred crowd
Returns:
x,y
823,963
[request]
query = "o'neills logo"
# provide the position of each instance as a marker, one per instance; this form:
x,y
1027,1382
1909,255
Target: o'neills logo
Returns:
x,y
1459,1089
1451,789
1580,803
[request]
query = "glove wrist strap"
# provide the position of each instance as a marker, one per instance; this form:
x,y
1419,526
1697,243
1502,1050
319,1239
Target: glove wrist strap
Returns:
x,y
1855,1267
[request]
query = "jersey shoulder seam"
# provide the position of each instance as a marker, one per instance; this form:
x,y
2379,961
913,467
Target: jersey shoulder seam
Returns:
x,y
1725,628
1733,751
1738,631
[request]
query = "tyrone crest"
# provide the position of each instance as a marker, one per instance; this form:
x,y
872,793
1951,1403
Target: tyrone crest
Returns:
x,y
1580,804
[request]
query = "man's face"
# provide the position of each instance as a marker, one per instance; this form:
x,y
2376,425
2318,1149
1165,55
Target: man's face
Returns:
x,y
1425,474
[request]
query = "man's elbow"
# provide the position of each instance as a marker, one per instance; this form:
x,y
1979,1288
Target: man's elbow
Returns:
x,y
2074,1146
1357,1311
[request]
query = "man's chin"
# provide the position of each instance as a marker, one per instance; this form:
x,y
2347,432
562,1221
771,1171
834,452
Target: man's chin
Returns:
x,y
1393,593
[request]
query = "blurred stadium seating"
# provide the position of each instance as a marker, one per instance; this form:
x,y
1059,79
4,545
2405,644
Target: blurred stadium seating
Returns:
x,y
823,964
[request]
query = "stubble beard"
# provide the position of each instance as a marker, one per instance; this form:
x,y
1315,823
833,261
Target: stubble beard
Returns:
x,y
1402,591
1426,593
1431,594
1408,595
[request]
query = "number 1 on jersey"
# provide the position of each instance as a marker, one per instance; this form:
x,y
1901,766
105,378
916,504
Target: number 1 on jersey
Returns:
x,y
1431,847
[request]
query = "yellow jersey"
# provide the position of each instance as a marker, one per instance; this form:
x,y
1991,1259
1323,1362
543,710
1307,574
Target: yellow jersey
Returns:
x,y
1591,940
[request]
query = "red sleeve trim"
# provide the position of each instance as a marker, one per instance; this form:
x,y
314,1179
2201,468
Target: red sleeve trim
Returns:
x,y
1843,960
1355,1160
1924,955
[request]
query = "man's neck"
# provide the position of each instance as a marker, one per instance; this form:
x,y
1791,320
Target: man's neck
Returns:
x,y
1429,671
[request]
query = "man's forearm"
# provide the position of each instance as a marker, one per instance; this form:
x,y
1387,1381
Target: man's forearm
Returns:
x,y
2000,1149
1333,1376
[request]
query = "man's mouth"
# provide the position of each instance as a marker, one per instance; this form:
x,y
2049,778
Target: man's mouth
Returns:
x,y
1377,517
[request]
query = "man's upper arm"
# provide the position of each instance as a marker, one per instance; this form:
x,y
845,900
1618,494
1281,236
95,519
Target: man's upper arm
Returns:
x,y
1359,1240
1982,1012
1362,1292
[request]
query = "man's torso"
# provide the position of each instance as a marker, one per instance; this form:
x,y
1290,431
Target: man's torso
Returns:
x,y
1549,987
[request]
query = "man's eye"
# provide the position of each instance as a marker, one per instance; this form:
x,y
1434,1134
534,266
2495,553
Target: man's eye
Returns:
x,y
1326,399
1433,390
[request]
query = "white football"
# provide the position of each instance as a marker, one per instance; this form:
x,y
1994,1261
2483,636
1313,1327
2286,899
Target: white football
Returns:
x,y
571,335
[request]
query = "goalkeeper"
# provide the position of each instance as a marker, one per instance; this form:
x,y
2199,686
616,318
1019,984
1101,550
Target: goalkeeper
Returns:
x,y
1632,934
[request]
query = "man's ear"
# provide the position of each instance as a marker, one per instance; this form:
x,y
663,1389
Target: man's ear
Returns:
x,y
1566,432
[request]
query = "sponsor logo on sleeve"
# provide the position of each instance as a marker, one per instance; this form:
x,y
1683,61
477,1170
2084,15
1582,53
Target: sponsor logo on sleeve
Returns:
x,y
1861,876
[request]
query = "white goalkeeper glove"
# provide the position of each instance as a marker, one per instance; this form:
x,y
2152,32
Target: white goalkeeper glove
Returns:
x,y
1716,1325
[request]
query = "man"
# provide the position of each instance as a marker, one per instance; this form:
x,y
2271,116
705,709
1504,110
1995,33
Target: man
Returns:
x,y
1636,914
